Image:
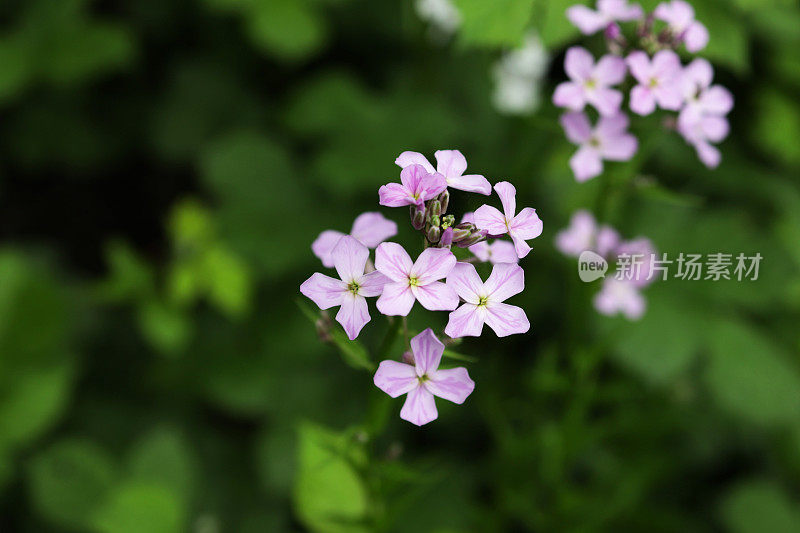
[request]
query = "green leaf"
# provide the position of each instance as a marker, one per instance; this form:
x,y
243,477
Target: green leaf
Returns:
x,y
168,329
777,125
750,377
728,44
329,495
163,457
496,23
229,282
459,356
353,352
758,506
552,23
69,480
130,277
288,29
138,507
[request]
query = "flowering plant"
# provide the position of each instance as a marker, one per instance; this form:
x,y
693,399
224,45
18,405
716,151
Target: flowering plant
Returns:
x,y
646,47
400,282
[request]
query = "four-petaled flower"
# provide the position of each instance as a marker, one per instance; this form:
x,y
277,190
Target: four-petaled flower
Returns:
x,y
620,296
524,226
679,16
590,83
608,12
584,234
659,81
348,292
416,186
608,140
451,164
414,281
370,229
423,380
483,302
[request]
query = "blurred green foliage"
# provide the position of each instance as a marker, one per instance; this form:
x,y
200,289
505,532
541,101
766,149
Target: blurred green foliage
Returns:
x,y
165,167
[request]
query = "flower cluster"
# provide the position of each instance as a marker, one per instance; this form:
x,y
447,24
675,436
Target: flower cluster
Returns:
x,y
436,279
619,294
648,52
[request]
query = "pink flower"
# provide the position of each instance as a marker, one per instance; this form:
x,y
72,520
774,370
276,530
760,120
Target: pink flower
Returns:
x,y
524,226
452,165
417,281
620,296
639,254
659,81
590,83
608,12
417,185
701,132
609,140
423,380
679,16
370,229
348,292
483,302
583,234
496,253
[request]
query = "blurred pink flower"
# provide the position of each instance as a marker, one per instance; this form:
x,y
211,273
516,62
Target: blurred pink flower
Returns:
x,y
349,292
370,229
609,140
590,83
414,281
620,296
583,234
417,185
451,164
659,81
521,227
608,12
679,16
423,380
483,301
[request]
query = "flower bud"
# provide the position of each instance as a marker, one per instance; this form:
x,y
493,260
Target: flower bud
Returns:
x,y
434,234
474,238
435,208
447,237
613,32
417,217
459,234
444,199
448,220
466,225
408,358
434,221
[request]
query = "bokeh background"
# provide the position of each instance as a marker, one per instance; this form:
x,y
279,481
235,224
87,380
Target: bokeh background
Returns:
x,y
164,167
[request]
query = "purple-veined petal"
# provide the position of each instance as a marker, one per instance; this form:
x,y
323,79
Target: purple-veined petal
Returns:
x,y
433,264
490,219
466,321
578,63
353,314
396,299
427,351
372,284
481,251
453,384
586,163
506,319
394,195
349,258
521,247
502,252
526,224
435,296
606,101
431,186
469,216
570,95
324,244
505,281
471,183
577,127
587,20
420,407
373,228
323,290
450,163
643,101
409,158
396,378
610,70
466,282
411,177
508,197
393,261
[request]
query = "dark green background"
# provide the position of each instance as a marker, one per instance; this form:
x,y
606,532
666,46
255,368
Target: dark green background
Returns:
x,y
164,167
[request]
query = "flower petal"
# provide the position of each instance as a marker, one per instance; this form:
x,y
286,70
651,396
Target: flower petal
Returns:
x,y
427,351
466,282
372,284
643,101
620,147
578,63
570,95
436,296
349,258
466,321
506,319
420,407
610,70
323,290
717,100
324,245
490,219
394,195
585,19
502,252
481,251
526,224
508,197
373,228
450,163
395,378
505,281
606,101
695,37
471,183
521,247
578,236
431,186
411,177
413,158
453,384
577,127
433,264
353,314
586,163
396,299
393,261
